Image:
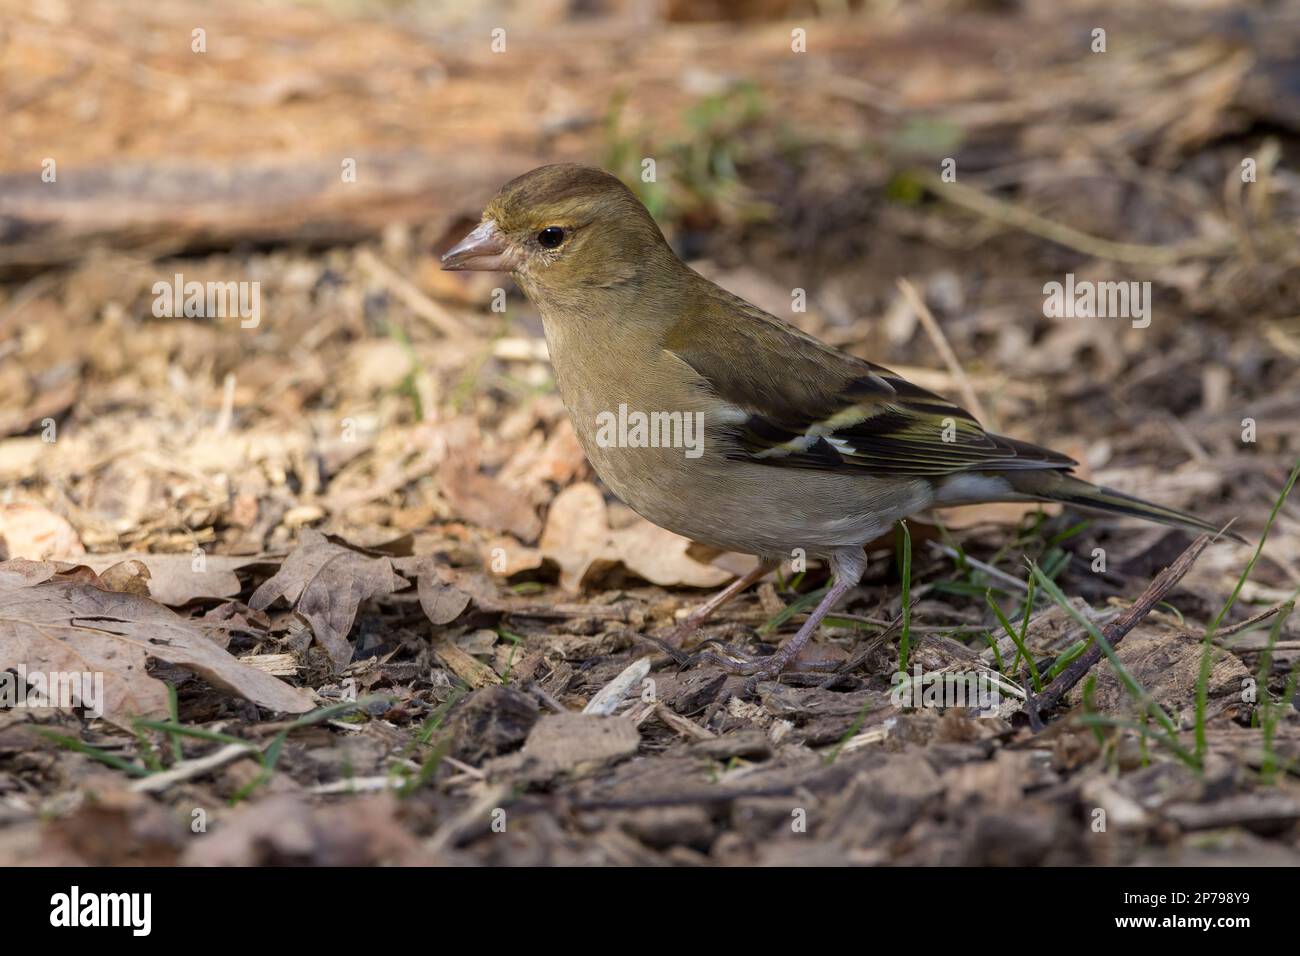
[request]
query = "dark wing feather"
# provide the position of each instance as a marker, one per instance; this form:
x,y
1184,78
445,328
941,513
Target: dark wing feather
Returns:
x,y
822,409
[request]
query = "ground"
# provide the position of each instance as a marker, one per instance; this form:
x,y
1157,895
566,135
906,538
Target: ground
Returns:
x,y
348,580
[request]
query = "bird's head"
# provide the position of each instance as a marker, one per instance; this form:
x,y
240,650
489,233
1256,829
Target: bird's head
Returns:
x,y
562,228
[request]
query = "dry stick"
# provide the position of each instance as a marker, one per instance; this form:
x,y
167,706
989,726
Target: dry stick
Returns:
x,y
1249,622
940,342
189,769
1115,631
411,297
687,728
1018,217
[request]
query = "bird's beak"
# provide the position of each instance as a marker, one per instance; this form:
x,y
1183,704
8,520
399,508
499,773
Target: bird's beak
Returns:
x,y
483,250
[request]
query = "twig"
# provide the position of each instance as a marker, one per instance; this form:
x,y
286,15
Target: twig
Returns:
x,y
611,695
687,728
987,568
1249,622
227,413
411,297
194,768
1115,631
949,357
358,785
1020,218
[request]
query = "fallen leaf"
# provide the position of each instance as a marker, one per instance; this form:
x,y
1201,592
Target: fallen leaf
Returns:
x,y
442,602
479,498
577,533
66,624
36,533
579,539
506,557
664,558
326,582
177,579
129,577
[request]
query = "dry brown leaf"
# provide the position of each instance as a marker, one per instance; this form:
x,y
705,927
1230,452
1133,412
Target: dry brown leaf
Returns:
x,y
66,623
579,539
129,577
539,463
664,558
442,602
482,500
176,579
577,533
326,582
506,557
479,498
36,533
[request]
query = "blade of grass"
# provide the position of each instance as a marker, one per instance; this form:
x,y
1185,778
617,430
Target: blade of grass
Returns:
x,y
1165,740
1207,645
271,756
1022,652
147,752
1148,703
849,734
199,733
427,769
905,572
997,655
94,753
427,730
1071,653
516,641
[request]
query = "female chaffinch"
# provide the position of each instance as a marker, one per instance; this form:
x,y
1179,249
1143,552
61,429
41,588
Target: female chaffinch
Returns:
x,y
724,424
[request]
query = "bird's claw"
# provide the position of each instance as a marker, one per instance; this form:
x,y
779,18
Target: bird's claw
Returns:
x,y
671,642
756,668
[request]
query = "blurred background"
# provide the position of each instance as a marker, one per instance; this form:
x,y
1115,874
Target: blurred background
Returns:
x,y
328,151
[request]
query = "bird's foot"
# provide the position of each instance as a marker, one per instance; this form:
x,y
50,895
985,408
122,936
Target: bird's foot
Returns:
x,y
673,641
757,667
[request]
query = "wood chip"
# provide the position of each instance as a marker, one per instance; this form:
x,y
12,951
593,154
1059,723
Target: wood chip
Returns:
x,y
612,694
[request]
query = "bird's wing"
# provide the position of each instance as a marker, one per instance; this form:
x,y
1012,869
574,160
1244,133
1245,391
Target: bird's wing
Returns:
x,y
826,410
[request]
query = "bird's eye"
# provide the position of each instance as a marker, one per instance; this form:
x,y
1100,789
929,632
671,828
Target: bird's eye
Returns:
x,y
550,237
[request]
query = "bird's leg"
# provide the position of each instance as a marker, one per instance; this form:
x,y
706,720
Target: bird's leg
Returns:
x,y
758,668
687,627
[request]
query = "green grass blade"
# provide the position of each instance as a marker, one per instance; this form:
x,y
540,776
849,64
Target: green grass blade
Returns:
x,y
1148,703
1022,651
1207,645
94,753
905,571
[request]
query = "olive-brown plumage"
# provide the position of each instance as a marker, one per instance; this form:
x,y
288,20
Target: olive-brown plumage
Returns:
x,y
803,446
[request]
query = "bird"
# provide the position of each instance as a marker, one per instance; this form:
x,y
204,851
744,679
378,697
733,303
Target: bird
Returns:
x,y
729,426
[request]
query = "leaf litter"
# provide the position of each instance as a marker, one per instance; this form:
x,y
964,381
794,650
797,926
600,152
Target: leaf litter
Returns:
x,y
372,512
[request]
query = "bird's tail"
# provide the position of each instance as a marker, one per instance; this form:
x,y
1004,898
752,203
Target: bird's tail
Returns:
x,y
1050,485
